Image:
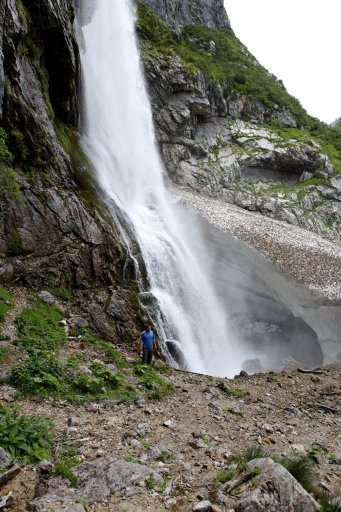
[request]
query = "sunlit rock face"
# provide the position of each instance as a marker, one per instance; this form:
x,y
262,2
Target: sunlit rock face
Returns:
x,y
206,13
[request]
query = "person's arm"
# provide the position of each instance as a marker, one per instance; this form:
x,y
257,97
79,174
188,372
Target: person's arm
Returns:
x,y
141,342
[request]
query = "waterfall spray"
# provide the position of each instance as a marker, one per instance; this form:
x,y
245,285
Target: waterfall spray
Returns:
x,y
118,138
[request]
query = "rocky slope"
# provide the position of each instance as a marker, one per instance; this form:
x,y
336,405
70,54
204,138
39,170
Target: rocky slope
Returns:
x,y
228,129
162,439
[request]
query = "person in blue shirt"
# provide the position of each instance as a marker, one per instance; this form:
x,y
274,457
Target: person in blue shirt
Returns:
x,y
147,340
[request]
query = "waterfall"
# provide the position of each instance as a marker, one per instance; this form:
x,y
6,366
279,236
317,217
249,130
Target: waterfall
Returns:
x,y
118,138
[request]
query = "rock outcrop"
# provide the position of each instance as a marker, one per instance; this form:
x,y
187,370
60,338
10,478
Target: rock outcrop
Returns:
x,y
206,13
231,144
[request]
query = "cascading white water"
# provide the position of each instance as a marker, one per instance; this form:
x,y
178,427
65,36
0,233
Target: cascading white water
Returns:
x,y
119,141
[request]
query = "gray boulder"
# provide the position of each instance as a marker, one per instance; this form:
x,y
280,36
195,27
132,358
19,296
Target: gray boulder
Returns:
x,y
96,482
274,489
46,297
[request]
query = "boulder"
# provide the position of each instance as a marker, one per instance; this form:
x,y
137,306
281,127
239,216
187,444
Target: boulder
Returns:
x,y
96,482
46,297
273,489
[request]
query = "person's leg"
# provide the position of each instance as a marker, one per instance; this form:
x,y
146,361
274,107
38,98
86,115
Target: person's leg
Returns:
x,y
150,356
145,356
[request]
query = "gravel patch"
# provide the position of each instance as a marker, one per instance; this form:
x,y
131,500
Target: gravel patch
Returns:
x,y
305,256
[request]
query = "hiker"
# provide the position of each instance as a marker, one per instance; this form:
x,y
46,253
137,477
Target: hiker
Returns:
x,y
147,339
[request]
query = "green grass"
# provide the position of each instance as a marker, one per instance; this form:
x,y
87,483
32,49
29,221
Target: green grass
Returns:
x,y
41,374
6,303
102,346
225,476
63,468
39,328
4,353
250,453
157,388
330,504
302,468
61,293
24,437
236,393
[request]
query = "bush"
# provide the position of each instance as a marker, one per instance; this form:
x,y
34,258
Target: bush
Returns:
x,y
225,476
90,385
41,375
102,372
39,328
156,386
24,437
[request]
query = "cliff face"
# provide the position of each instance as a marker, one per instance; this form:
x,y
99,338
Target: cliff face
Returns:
x,y
54,230
176,13
228,128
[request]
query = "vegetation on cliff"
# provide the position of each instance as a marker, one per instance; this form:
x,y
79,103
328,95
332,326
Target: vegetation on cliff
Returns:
x,y
220,55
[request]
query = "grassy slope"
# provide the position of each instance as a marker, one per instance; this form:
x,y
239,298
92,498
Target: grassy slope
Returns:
x,y
235,67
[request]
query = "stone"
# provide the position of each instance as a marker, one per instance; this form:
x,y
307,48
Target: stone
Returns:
x,y
46,297
203,506
5,459
45,466
274,488
97,481
73,421
198,444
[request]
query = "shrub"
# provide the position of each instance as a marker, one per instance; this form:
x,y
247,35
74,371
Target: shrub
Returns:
x,y
156,386
39,328
225,476
90,385
63,469
24,437
102,372
41,375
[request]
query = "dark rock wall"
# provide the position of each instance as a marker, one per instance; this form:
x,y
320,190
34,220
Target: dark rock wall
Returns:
x,y
54,229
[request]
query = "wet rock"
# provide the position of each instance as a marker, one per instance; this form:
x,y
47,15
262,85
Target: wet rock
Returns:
x,y
251,366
